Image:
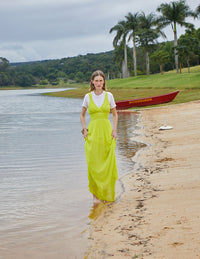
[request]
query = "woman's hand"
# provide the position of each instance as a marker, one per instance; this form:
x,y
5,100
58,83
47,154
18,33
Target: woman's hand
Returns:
x,y
115,121
84,132
114,134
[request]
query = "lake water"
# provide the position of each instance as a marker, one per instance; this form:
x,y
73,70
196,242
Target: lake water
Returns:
x,y
44,198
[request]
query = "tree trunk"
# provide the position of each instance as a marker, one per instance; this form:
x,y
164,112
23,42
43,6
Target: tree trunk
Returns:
x,y
123,69
188,64
147,62
161,69
175,46
180,67
125,61
134,59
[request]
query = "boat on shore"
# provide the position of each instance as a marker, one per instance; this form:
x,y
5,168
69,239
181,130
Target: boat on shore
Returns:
x,y
147,101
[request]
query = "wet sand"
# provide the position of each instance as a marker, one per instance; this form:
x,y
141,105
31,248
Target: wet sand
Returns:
x,y
158,215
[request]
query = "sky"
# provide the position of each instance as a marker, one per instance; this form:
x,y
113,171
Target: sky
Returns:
x,y
32,30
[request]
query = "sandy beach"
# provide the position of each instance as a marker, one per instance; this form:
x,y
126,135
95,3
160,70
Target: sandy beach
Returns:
x,y
158,215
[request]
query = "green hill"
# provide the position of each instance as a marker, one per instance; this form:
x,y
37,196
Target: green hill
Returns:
x,y
144,86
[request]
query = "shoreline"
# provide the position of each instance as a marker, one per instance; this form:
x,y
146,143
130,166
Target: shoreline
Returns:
x,y
158,214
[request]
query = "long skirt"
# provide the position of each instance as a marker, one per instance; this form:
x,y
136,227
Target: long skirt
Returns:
x,y
101,160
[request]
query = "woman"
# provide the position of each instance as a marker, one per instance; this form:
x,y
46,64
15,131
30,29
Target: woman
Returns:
x,y
100,139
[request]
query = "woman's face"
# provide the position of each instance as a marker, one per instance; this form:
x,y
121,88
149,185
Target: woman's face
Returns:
x,y
98,82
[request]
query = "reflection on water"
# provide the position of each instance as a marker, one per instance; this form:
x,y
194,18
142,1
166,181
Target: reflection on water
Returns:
x,y
127,147
127,126
44,197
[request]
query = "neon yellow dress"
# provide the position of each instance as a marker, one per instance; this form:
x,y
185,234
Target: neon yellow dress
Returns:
x,y
100,152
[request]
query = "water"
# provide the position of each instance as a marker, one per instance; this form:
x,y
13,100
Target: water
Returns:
x,y
44,199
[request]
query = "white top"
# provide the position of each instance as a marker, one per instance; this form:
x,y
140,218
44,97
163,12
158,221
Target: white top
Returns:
x,y
99,99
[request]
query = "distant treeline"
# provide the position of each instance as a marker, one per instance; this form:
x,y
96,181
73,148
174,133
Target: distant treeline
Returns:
x,y
80,68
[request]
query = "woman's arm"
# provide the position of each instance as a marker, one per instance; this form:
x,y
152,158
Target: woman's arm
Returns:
x,y
84,130
115,122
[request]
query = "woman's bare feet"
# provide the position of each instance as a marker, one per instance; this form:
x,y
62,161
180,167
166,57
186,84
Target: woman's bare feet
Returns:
x,y
96,200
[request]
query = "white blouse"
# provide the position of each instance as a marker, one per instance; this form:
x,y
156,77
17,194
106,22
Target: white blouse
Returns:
x,y
99,99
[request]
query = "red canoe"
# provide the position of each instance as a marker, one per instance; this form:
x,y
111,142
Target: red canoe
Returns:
x,y
164,98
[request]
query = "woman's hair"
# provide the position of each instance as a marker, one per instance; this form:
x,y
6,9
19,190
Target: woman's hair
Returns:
x,y
98,73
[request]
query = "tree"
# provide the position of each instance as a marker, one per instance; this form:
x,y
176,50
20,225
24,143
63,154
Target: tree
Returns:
x,y
118,58
44,82
52,77
198,11
174,13
197,48
119,55
161,57
4,80
148,34
121,34
25,80
132,27
187,45
4,64
79,77
168,47
39,71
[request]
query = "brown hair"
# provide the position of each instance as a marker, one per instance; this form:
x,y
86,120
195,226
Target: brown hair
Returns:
x,y
97,73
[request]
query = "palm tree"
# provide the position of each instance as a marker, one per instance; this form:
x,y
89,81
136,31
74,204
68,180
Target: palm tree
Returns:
x,y
132,26
148,34
118,56
198,11
121,34
174,13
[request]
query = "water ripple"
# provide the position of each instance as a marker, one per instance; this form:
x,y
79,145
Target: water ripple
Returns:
x,y
43,172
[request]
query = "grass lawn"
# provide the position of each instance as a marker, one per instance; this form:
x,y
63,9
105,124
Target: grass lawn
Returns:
x,y
146,86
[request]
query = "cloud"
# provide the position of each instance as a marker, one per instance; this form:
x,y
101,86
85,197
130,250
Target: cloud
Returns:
x,y
56,49
49,22
38,3
54,29
19,53
35,20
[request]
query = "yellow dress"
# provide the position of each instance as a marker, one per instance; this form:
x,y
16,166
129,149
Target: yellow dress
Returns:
x,y
100,152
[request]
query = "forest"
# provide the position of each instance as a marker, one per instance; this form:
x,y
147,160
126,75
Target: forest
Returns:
x,y
146,56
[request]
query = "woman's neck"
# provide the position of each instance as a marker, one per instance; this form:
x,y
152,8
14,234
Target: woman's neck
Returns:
x,y
98,92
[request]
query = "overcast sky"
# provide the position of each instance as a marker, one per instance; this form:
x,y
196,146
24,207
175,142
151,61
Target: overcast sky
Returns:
x,y
52,29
